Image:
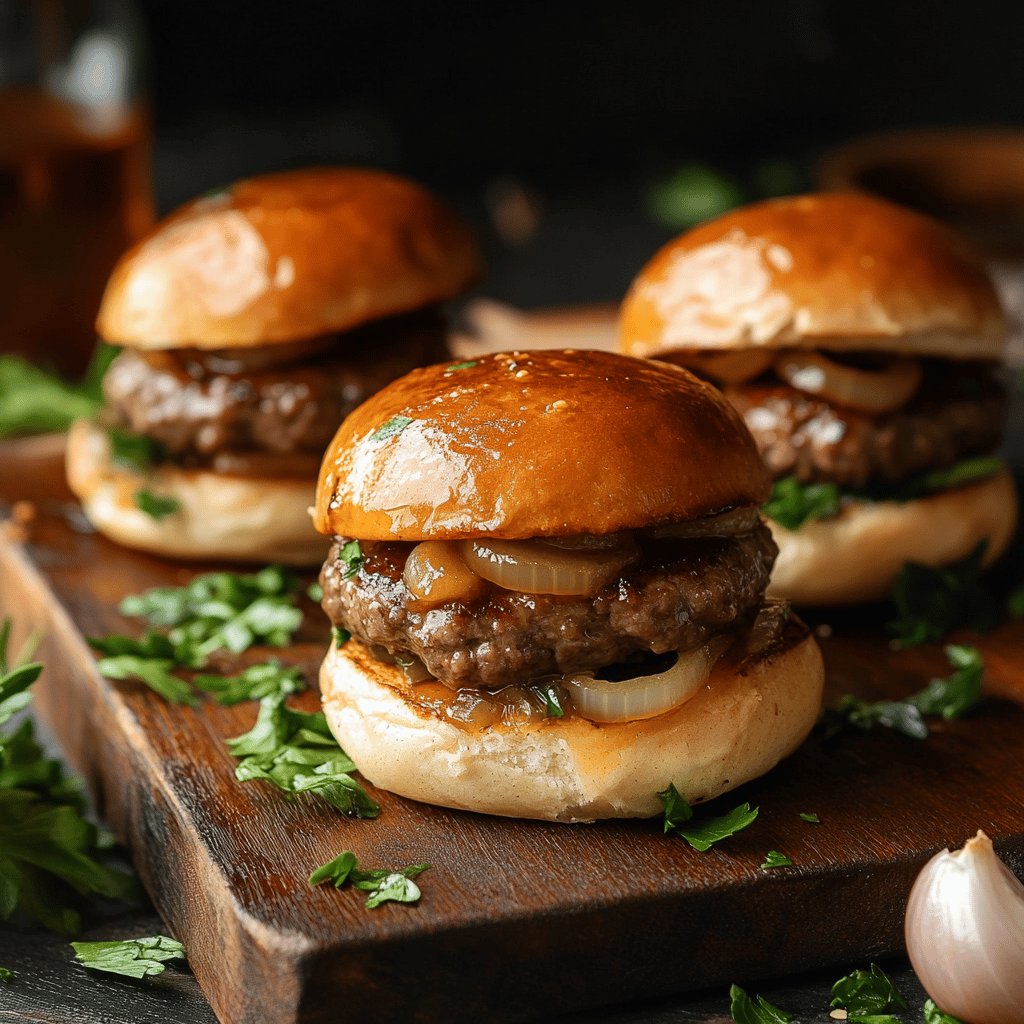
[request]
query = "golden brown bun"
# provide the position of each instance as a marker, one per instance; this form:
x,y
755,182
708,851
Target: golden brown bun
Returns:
x,y
227,518
536,444
287,256
856,556
739,726
837,271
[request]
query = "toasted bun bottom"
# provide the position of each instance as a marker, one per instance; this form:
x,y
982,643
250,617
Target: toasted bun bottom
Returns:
x,y
740,725
856,556
229,518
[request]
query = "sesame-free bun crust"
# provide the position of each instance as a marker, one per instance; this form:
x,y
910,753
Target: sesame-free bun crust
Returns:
x,y
287,256
226,518
835,271
533,444
739,726
856,556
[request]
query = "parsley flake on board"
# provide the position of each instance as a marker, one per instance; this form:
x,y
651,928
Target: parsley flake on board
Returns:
x,y
758,1010
131,958
254,683
933,1015
704,833
392,428
775,859
6,975
867,992
792,503
295,751
811,817
154,505
382,885
933,602
154,672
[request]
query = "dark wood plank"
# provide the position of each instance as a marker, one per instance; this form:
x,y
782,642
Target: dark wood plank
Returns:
x,y
518,919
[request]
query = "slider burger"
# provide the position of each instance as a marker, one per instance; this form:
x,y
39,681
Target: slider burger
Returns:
x,y
547,586
253,320
860,342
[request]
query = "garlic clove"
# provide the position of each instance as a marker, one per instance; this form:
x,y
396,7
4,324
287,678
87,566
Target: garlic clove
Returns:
x,y
965,934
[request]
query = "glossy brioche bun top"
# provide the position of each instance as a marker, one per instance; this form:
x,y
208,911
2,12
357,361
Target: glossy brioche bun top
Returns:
x,y
531,444
836,271
287,256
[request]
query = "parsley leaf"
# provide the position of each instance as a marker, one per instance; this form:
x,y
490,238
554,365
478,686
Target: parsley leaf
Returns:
x,y
775,859
295,751
899,715
131,958
154,505
392,428
745,1010
811,817
933,602
340,637
315,592
867,992
6,975
33,401
455,367
552,701
702,834
933,1015
382,885
351,557
256,682
965,472
154,672
133,451
792,503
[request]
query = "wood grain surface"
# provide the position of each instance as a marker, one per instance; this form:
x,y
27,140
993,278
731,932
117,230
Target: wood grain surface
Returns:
x,y
518,919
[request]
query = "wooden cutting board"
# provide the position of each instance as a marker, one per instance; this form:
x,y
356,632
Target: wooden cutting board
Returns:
x,y
518,919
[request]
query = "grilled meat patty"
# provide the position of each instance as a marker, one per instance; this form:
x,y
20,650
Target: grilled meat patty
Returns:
x,y
678,595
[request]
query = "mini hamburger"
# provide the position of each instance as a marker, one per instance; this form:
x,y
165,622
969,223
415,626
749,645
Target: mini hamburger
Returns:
x,y
860,342
547,586
252,321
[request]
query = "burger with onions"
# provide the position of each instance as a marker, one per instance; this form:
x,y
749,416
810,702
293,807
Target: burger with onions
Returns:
x,y
860,342
547,587
252,321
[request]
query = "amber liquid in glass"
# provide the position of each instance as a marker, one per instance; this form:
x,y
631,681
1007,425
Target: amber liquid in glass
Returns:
x,y
75,192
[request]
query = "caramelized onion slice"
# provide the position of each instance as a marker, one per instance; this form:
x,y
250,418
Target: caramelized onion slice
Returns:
x,y
726,524
737,367
435,572
533,567
871,391
603,700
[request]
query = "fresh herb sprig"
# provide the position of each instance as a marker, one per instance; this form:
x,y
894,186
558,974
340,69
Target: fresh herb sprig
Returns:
x,y
382,885
869,992
254,683
130,958
701,834
776,859
295,751
758,1010
793,503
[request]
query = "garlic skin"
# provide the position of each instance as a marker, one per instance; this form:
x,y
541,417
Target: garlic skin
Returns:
x,y
965,934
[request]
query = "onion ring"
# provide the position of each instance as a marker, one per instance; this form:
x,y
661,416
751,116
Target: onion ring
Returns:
x,y
871,391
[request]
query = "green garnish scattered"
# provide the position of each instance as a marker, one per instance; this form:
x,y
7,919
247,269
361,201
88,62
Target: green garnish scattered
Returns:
x,y
6,976
392,428
704,833
775,859
552,702
933,602
296,752
255,683
340,637
792,503
154,505
867,992
933,1015
1015,603
695,192
49,853
455,367
154,672
383,886
131,958
745,1010
811,817
978,468
133,451
351,557
315,592
33,401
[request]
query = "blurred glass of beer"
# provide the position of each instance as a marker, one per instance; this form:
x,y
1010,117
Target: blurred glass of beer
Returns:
x,y
75,184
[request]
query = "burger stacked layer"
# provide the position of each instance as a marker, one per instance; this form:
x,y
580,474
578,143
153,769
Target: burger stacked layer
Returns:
x,y
547,583
253,320
860,342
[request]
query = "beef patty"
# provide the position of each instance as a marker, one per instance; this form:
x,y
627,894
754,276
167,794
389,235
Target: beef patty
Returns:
x,y
957,411
182,399
679,595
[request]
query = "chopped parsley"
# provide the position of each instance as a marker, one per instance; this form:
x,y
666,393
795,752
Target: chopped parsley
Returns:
x,y
811,817
351,557
392,428
455,367
704,833
792,503
758,1010
933,602
552,701
6,975
775,859
254,683
315,592
154,672
382,885
867,992
933,1015
154,505
131,958
340,637
295,751
33,401
133,451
